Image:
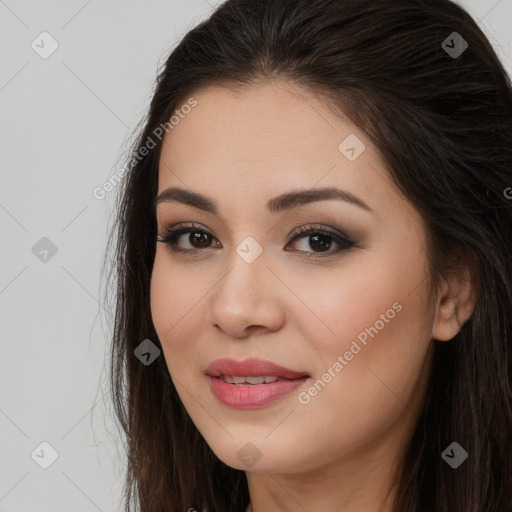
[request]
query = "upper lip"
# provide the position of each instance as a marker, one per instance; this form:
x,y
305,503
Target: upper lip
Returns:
x,y
251,368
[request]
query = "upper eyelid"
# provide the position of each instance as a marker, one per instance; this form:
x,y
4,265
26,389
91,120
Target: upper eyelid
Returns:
x,y
295,232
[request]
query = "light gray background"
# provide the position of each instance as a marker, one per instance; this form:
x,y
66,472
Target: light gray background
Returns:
x,y
63,123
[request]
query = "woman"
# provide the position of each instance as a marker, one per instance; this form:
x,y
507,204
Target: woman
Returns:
x,y
314,265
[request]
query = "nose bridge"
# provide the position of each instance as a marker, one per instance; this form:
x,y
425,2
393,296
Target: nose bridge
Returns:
x,y
248,270
245,296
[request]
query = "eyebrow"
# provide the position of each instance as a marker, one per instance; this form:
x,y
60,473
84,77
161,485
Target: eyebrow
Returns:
x,y
283,202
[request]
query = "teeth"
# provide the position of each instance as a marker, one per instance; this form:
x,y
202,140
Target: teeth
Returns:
x,y
231,379
255,380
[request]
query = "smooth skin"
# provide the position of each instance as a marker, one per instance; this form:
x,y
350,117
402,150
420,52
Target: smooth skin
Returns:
x,y
299,304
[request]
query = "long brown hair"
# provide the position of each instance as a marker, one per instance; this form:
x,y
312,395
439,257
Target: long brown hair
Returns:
x,y
440,113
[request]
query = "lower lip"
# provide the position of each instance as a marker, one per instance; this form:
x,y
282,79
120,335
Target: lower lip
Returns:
x,y
252,396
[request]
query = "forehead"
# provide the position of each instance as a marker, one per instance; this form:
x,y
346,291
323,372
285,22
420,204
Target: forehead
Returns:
x,y
243,146
252,131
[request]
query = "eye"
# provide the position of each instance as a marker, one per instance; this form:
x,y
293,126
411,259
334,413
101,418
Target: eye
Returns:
x,y
196,235
198,238
320,238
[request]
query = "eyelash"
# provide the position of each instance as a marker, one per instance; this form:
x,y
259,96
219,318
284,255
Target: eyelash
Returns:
x,y
172,233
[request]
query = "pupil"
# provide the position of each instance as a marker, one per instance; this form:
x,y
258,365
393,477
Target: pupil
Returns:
x,y
321,239
199,235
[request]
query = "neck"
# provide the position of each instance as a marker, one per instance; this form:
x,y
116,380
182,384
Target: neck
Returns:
x,y
363,483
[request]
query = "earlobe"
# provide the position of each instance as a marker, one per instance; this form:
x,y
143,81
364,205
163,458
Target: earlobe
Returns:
x,y
456,304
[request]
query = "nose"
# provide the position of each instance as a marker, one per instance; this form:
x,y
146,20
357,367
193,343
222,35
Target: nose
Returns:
x,y
247,299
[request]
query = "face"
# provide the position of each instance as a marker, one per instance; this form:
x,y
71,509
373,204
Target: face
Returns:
x,y
343,303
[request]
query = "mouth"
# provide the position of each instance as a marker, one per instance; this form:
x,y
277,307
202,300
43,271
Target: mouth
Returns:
x,y
252,383
251,371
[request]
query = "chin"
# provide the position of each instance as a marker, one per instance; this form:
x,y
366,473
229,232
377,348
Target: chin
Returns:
x,y
254,455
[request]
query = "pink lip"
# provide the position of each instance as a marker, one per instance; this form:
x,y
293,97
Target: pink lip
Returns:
x,y
252,396
251,368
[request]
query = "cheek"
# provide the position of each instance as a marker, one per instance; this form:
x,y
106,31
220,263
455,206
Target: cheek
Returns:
x,y
339,306
175,303
377,321
375,317
355,399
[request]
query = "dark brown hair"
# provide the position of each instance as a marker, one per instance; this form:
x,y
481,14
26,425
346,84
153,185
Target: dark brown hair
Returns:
x,y
442,122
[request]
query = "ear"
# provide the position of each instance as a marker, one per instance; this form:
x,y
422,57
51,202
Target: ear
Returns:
x,y
457,298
